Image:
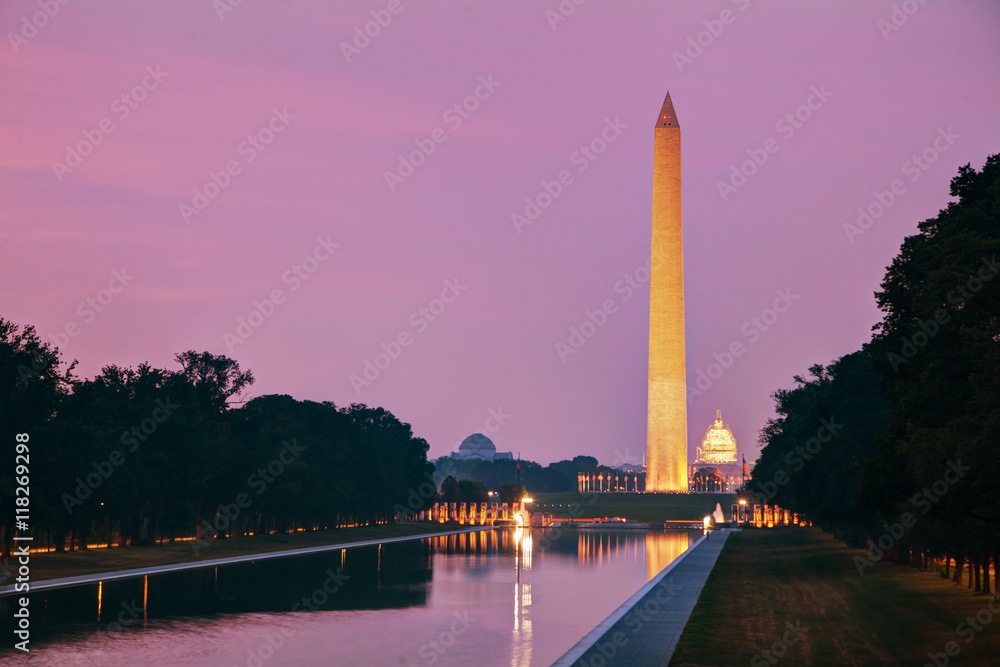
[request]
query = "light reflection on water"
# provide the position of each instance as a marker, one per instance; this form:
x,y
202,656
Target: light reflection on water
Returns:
x,y
507,597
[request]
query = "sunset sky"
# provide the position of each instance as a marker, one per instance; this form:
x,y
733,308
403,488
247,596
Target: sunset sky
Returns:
x,y
114,113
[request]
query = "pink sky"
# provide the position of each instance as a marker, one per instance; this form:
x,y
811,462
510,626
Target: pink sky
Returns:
x,y
335,128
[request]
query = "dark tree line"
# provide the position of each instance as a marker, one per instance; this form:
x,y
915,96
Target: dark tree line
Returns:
x,y
913,467
557,476
145,454
455,490
463,491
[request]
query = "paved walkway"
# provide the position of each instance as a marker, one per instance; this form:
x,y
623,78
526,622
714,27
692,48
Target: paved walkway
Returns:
x,y
159,569
645,629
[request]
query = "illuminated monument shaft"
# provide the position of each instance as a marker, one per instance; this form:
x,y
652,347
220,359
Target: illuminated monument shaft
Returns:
x,y
666,435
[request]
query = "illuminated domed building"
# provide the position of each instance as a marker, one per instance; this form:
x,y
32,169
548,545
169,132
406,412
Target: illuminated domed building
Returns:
x,y
715,468
478,446
718,445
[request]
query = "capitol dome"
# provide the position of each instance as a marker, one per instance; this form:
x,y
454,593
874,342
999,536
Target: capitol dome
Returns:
x,y
477,446
718,445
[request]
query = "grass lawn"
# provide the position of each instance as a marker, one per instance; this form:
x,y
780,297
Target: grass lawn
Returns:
x,y
53,566
894,615
652,508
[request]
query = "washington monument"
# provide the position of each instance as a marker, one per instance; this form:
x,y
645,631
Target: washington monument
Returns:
x,y
666,434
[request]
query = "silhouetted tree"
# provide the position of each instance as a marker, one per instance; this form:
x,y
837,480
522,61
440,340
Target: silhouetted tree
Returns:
x,y
146,453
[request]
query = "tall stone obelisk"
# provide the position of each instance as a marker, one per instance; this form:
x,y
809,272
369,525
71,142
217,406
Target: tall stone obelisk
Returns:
x,y
666,435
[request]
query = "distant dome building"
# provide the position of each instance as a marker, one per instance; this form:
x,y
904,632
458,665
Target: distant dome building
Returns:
x,y
478,446
718,445
715,468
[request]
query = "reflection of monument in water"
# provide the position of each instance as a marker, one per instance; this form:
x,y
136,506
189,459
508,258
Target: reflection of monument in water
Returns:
x,y
660,548
663,548
715,468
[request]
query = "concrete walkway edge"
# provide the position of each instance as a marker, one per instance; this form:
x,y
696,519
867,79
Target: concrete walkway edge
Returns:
x,y
591,638
82,579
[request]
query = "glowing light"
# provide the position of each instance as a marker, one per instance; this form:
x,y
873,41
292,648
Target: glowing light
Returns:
x,y
666,429
718,445
100,594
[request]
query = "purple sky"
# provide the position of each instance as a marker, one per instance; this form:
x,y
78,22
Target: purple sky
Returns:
x,y
64,231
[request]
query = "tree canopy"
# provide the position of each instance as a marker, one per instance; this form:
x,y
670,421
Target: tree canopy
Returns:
x,y
139,454
918,408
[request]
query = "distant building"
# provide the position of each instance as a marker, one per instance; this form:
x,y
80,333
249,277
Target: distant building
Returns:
x,y
715,468
718,445
478,446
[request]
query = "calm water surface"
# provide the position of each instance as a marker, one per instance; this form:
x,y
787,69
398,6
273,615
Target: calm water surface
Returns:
x,y
500,597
